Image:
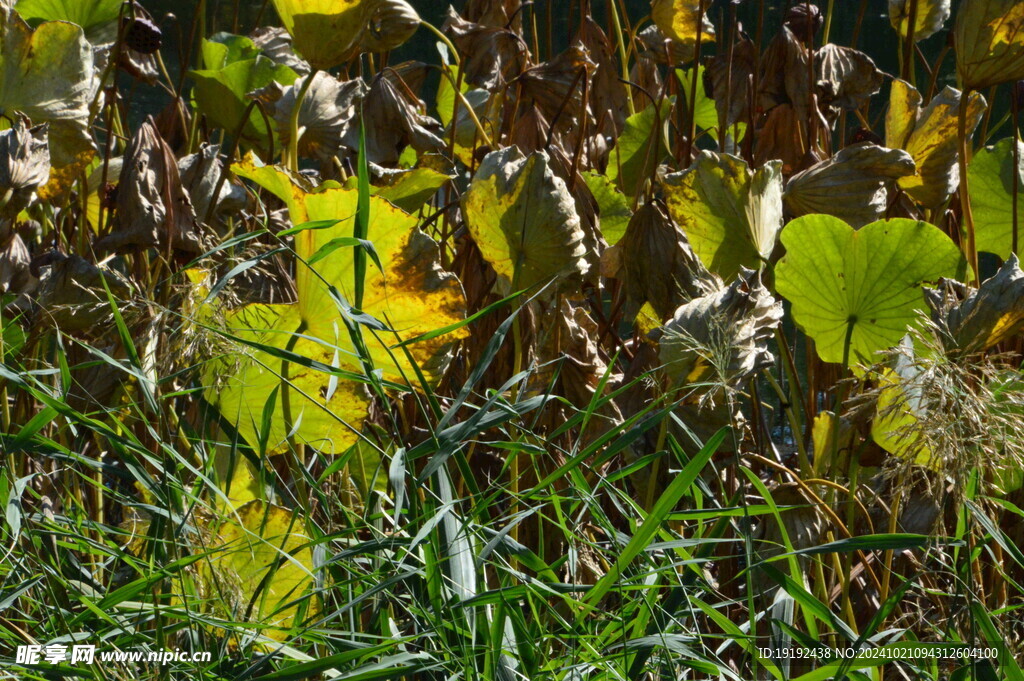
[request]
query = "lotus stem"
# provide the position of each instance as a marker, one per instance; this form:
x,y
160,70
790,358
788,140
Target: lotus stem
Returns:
x,y
293,124
967,222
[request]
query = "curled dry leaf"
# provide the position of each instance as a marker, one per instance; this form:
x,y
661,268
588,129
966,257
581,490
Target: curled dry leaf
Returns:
x,y
730,82
326,115
853,185
71,296
722,337
783,78
929,135
682,20
972,320
491,56
24,166
783,136
15,265
524,221
989,38
200,173
730,214
556,88
607,93
847,78
394,120
931,15
152,205
656,264
275,44
390,23
569,346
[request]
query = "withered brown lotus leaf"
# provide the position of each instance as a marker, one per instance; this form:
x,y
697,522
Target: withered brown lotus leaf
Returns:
x,y
662,50
931,15
782,136
730,81
394,119
989,38
974,319
152,206
784,76
15,265
24,166
328,111
71,296
491,57
848,76
200,173
853,185
656,263
607,93
276,44
556,87
804,20
569,344
930,136
721,337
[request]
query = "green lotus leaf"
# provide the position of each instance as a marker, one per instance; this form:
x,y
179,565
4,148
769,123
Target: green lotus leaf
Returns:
x,y
96,17
990,182
409,189
260,556
929,17
612,206
410,295
640,148
731,215
523,219
234,67
47,75
868,279
989,38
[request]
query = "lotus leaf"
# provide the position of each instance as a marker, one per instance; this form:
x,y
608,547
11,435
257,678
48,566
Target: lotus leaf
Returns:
x,y
864,282
929,135
96,17
973,320
328,111
991,180
262,557
323,31
524,221
929,19
853,185
682,20
640,148
989,37
411,295
613,206
47,75
234,68
24,166
730,214
723,335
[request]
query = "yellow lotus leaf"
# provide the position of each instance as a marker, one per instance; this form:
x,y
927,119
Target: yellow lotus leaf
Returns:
x,y
929,17
523,218
929,135
262,569
323,31
410,296
895,427
989,38
681,19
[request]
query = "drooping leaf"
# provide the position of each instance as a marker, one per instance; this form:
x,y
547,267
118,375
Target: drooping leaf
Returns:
x,y
730,214
328,111
865,281
682,21
900,409
492,55
972,320
929,135
728,83
47,75
523,219
15,265
388,24
931,15
234,68
639,149
393,119
991,180
411,189
613,206
851,75
989,38
721,336
260,557
656,264
96,17
409,294
853,185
